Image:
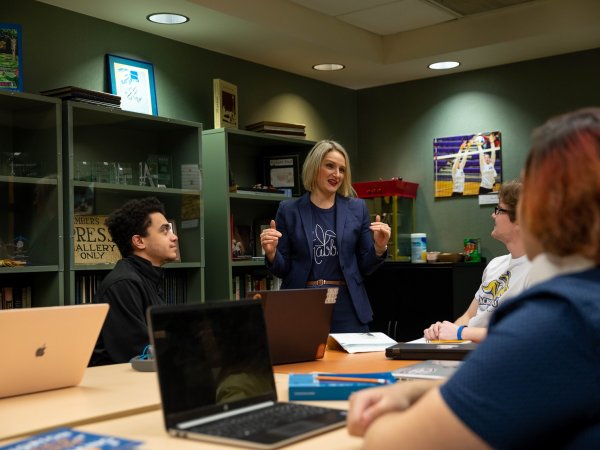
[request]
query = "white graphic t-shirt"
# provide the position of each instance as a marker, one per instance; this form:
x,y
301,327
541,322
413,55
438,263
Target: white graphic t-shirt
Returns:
x,y
503,277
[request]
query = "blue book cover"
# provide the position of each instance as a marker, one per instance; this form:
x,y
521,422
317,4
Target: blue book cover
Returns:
x,y
67,438
334,386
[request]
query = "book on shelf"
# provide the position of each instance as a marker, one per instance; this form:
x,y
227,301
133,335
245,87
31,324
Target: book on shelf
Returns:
x,y
276,126
190,177
333,386
225,104
279,128
92,243
68,438
84,95
259,190
432,369
12,297
288,135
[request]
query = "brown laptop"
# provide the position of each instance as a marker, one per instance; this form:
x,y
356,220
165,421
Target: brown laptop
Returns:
x,y
298,322
47,348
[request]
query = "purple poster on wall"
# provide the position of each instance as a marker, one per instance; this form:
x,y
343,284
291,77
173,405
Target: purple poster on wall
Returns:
x,y
468,164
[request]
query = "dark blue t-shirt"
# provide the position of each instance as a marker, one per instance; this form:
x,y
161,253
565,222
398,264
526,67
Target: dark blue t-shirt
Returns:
x,y
325,255
535,380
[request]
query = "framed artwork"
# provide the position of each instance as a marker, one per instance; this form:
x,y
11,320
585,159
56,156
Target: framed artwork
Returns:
x,y
133,81
468,164
225,104
11,76
283,172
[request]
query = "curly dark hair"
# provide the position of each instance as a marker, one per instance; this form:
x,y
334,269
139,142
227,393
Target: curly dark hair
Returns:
x,y
130,219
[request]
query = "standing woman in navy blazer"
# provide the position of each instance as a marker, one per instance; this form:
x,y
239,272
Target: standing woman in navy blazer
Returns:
x,y
325,238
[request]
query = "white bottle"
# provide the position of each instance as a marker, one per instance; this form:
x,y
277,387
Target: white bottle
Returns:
x,y
418,247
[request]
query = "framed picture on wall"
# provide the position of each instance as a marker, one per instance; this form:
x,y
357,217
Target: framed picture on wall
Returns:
x,y
283,172
469,164
133,81
11,75
225,104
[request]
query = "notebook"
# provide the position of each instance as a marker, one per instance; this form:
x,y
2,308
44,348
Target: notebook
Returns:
x,y
405,350
298,322
47,348
216,380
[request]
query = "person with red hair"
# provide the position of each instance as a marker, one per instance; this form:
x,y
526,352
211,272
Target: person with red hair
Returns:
x,y
534,382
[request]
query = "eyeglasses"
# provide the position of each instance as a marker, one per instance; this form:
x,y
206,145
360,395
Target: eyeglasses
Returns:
x,y
498,210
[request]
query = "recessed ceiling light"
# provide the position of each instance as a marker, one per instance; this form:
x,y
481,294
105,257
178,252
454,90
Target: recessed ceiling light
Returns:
x,y
329,66
444,65
167,18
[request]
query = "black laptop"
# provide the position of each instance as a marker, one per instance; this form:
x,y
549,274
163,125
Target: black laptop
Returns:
x,y
452,352
298,322
216,380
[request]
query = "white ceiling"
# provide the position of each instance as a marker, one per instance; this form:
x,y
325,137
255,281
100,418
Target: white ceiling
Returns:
x,y
379,41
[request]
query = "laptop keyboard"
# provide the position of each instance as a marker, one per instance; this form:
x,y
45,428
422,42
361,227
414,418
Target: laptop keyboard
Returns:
x,y
258,421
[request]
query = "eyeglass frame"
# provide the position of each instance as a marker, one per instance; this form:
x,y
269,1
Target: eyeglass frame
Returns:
x,y
498,210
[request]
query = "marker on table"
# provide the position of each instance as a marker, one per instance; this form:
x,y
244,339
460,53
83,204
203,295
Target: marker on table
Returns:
x,y
351,379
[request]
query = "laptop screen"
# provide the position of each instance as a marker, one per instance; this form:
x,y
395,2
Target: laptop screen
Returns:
x,y
210,358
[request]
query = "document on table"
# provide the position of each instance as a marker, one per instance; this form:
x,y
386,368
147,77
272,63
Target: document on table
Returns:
x,y
363,342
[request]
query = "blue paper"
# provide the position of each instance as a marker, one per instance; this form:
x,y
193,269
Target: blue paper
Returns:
x,y
67,439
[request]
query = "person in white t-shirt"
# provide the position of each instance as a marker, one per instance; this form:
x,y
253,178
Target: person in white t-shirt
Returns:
x,y
504,277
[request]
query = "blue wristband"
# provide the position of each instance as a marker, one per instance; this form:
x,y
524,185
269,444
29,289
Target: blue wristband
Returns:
x,y
459,332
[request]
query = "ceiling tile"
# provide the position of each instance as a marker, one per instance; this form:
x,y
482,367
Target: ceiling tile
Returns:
x,y
398,16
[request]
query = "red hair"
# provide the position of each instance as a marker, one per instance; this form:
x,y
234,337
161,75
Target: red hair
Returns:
x,y
561,185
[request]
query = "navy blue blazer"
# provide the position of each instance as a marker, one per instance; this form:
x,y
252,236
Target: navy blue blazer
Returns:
x,y
356,250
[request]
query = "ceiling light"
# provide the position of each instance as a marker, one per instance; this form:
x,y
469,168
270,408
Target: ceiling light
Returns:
x,y
167,18
329,66
444,65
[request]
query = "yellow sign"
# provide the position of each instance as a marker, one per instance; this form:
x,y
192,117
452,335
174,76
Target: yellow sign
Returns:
x,y
92,242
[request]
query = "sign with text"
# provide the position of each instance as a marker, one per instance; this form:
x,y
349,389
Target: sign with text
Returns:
x,y
92,242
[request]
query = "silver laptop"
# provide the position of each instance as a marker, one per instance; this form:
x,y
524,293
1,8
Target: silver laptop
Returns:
x,y
47,348
216,379
298,322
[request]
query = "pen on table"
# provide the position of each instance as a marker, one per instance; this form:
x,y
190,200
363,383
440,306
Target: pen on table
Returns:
x,y
444,341
352,379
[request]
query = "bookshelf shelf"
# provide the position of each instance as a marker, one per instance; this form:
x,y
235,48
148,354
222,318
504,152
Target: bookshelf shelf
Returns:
x,y
241,154
114,156
31,202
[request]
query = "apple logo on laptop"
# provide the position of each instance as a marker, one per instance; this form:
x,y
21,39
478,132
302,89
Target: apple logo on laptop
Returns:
x,y
40,351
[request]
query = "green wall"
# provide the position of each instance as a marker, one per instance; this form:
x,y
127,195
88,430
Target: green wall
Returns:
x,y
62,48
393,126
399,122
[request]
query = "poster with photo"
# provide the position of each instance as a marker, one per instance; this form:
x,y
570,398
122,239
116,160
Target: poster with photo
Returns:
x,y
11,76
466,165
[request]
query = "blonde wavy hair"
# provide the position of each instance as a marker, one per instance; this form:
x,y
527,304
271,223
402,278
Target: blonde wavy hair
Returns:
x,y
312,163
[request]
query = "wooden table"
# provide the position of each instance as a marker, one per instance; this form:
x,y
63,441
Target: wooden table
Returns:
x,y
120,401
149,428
342,362
106,392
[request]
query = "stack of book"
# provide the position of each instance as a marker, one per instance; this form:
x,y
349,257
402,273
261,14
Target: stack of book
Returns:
x,y
85,95
279,128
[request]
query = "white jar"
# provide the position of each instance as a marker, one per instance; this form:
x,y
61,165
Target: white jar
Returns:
x,y
418,247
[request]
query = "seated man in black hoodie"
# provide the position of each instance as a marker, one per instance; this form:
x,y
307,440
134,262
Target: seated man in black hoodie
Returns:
x,y
146,241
